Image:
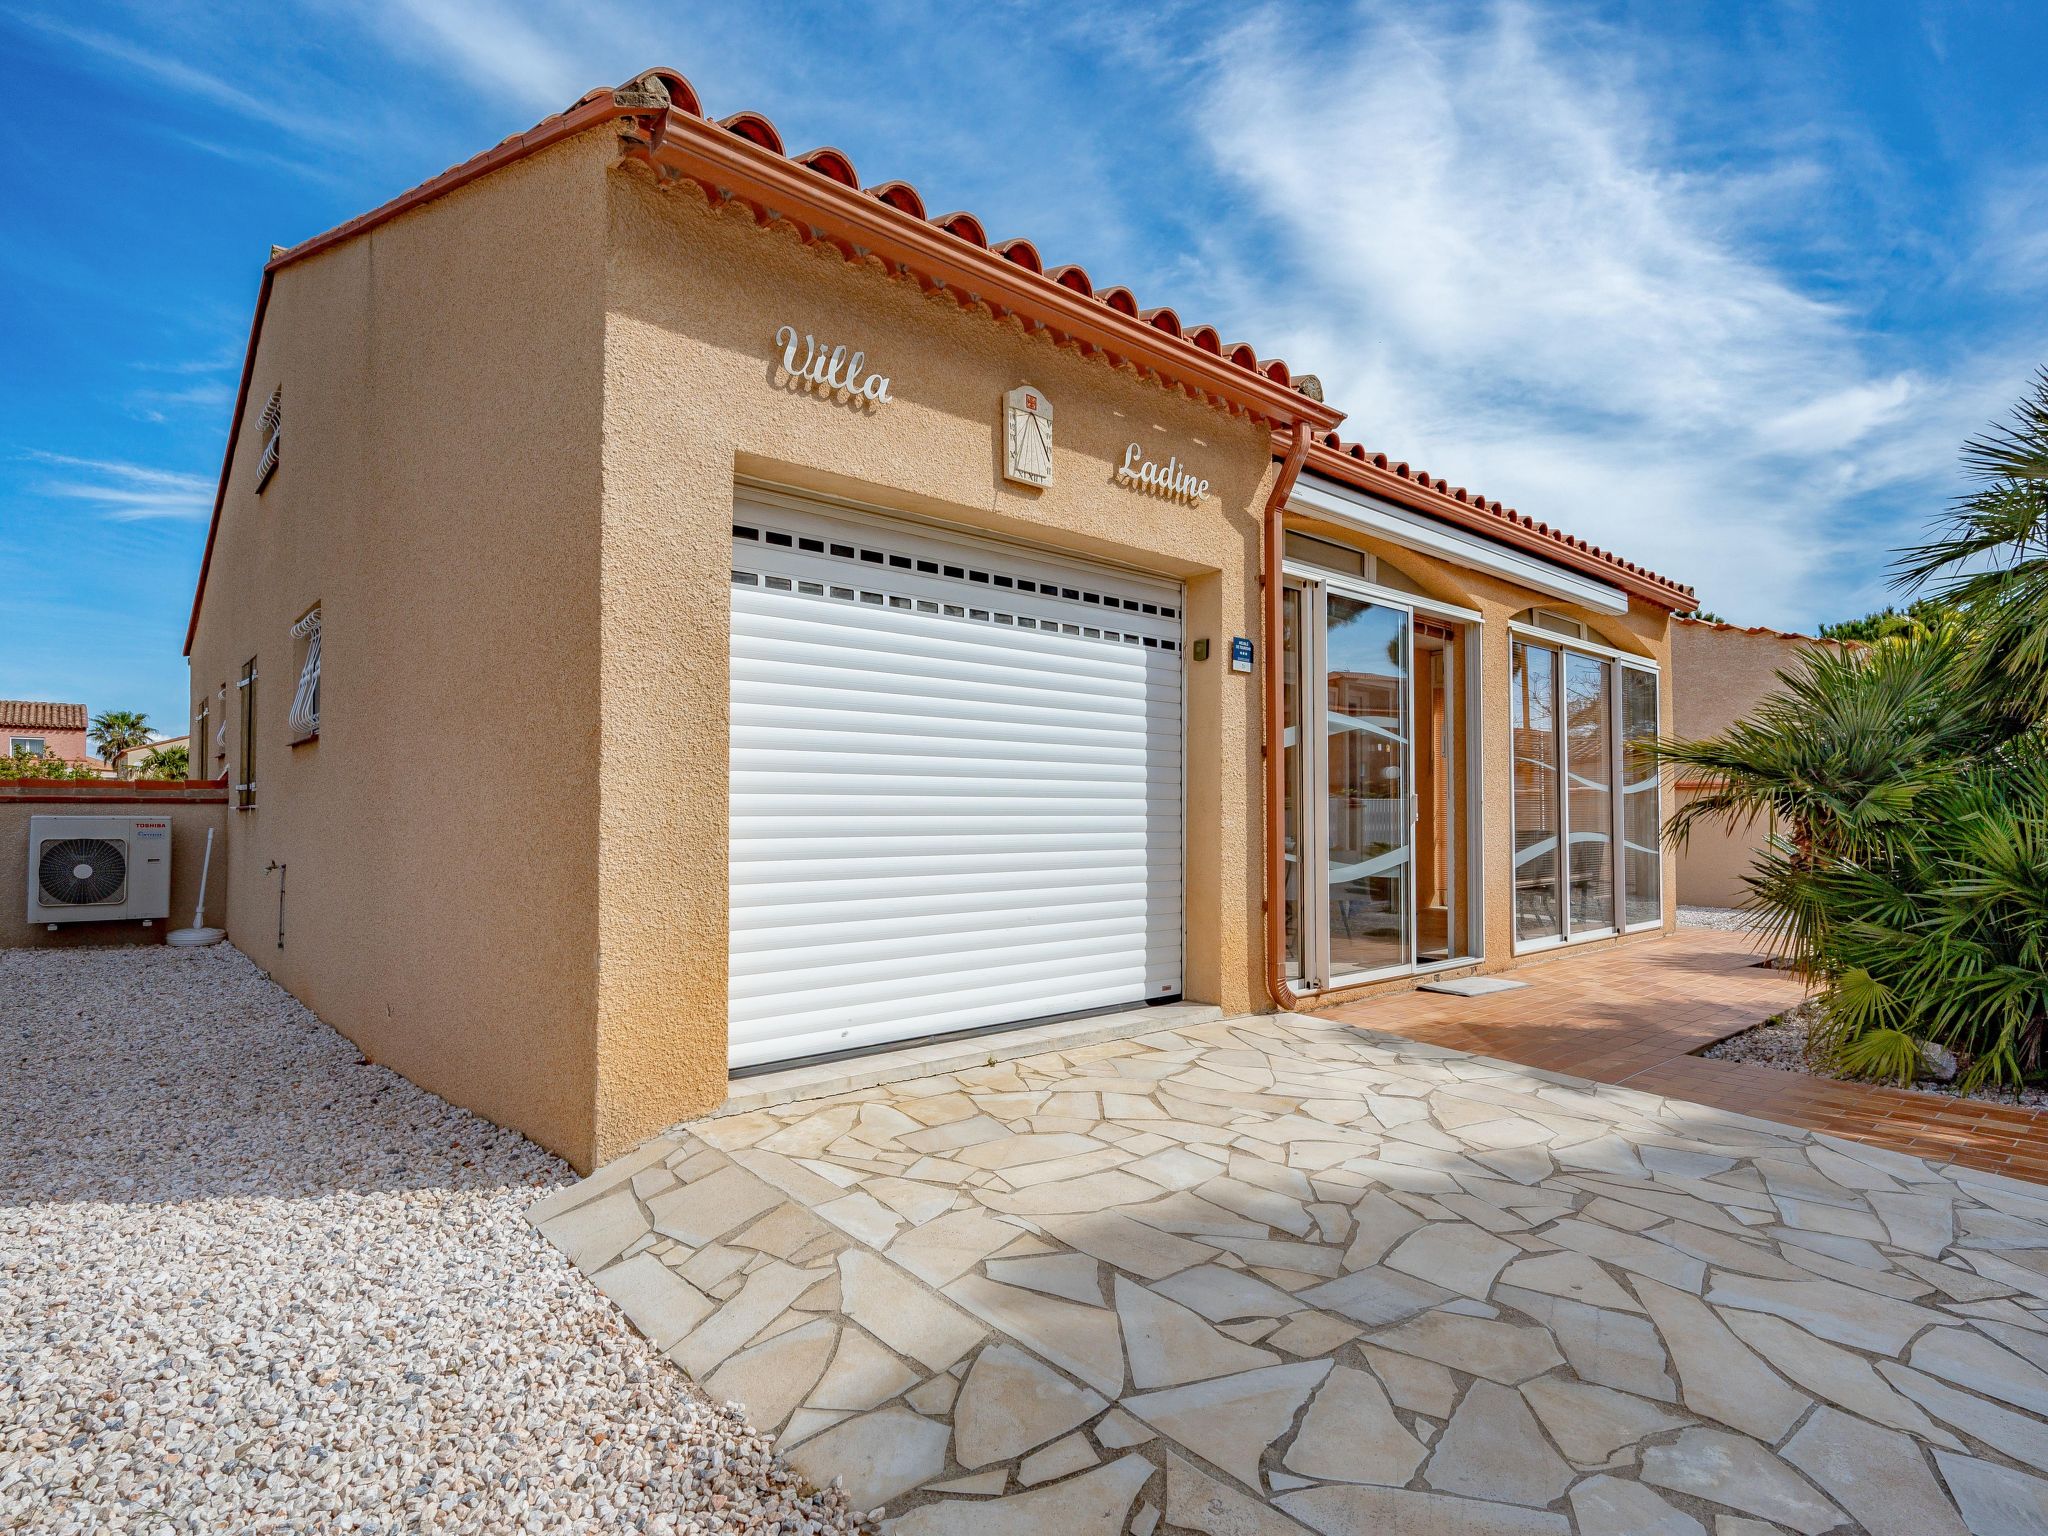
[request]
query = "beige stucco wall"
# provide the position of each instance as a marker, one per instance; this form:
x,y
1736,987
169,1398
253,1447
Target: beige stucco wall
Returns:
x,y
438,497
693,399
1720,674
1714,861
190,812
1645,630
514,421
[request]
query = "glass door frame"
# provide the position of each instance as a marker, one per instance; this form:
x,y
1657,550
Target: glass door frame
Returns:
x,y
1623,665
1406,816
1311,965
1617,663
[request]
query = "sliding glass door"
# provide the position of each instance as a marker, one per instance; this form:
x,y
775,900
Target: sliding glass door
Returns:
x,y
1642,824
1539,818
1589,793
1374,806
1586,814
1369,831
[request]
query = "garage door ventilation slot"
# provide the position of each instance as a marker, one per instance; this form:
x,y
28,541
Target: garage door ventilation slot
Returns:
x,y
855,554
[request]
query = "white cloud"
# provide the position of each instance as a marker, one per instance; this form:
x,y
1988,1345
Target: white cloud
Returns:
x,y
545,60
1837,420
1517,281
127,493
2014,251
286,114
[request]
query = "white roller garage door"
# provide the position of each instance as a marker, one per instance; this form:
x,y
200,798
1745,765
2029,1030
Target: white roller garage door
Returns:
x,y
956,783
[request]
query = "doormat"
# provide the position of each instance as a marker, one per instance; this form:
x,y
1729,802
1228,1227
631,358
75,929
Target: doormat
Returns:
x,y
1472,986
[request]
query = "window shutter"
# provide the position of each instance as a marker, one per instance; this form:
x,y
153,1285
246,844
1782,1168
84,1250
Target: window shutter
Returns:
x,y
245,785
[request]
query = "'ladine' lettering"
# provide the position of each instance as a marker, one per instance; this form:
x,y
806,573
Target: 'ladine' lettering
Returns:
x,y
1169,479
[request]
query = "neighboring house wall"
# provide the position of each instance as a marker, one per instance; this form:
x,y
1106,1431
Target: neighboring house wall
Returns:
x,y
1720,674
131,761
437,495
60,727
191,810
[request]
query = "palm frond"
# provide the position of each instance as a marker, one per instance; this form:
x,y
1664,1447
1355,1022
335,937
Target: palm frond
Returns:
x,y
1880,1055
1991,555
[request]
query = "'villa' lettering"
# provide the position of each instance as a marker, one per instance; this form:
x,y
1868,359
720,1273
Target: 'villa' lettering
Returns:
x,y
830,368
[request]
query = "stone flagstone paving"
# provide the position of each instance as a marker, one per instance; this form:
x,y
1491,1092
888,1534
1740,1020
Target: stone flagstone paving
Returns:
x,y
1276,1276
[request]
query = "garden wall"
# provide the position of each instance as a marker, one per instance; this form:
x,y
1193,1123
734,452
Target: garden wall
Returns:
x,y
190,808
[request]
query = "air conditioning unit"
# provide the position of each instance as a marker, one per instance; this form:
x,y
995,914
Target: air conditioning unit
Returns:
x,y
96,869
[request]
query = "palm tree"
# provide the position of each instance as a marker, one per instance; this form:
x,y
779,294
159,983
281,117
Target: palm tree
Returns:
x,y
1992,556
116,731
172,762
1909,781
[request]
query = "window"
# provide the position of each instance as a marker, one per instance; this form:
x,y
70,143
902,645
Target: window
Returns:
x,y
1587,822
245,759
1556,623
271,425
1330,556
305,713
196,756
35,746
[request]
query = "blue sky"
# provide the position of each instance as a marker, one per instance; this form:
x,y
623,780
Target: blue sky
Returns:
x,y
1719,286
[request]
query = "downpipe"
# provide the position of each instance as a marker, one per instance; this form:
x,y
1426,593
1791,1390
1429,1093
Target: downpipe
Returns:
x,y
1272,685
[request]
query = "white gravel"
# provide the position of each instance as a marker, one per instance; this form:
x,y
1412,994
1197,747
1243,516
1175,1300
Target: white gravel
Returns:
x,y
1732,919
1781,1043
249,1282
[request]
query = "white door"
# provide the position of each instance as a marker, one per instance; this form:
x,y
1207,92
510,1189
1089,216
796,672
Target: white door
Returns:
x,y
956,783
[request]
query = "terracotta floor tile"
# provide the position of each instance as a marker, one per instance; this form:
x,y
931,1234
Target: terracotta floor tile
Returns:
x,y
1634,1016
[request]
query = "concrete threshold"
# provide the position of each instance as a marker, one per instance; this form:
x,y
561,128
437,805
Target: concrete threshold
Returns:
x,y
764,1090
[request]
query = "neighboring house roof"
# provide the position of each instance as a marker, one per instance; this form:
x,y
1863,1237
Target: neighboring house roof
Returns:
x,y
156,744
29,714
1761,629
1357,466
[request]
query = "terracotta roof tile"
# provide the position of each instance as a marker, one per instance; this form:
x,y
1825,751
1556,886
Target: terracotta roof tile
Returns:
x,y
1022,252
966,226
759,130
830,162
654,96
901,196
32,714
755,129
1332,455
645,106
1762,629
1120,299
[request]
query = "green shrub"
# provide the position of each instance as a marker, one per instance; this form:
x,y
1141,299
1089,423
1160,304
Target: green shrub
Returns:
x,y
24,764
1909,779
